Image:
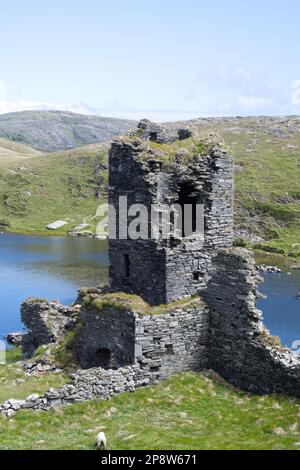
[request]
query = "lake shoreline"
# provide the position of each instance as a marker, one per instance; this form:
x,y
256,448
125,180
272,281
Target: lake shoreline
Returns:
x,y
52,267
281,261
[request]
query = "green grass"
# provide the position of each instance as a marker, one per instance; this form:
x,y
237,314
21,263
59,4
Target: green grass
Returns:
x,y
65,185
267,178
187,411
49,187
124,302
14,383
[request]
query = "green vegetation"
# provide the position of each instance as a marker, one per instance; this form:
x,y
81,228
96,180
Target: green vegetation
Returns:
x,y
37,189
14,383
267,178
63,353
183,150
123,302
187,411
62,186
13,355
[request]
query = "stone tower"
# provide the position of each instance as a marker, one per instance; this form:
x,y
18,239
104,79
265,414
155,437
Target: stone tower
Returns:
x,y
154,166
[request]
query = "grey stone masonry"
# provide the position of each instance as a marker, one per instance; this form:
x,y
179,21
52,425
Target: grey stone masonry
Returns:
x,y
163,270
85,385
106,338
46,322
223,332
174,342
240,347
161,344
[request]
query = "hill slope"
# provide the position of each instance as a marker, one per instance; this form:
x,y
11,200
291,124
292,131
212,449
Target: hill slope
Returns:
x,y
187,411
71,184
267,178
50,131
12,151
66,185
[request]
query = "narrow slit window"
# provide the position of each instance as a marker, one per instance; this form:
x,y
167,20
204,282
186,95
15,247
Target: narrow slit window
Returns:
x,y
126,266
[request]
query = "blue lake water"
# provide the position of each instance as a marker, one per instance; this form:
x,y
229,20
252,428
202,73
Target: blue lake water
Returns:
x,y
55,268
281,309
51,267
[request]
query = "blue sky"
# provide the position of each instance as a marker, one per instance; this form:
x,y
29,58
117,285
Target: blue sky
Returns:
x,y
166,59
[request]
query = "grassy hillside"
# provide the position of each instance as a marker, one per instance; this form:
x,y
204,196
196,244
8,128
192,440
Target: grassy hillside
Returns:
x,y
267,179
71,184
41,189
51,131
13,151
187,411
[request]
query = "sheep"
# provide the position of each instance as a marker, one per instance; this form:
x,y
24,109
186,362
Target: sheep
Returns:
x,y
101,443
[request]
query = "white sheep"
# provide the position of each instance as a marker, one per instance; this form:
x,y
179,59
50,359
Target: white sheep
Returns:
x,y
101,442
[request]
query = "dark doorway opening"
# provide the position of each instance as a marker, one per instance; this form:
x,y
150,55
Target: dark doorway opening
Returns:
x,y
188,200
105,359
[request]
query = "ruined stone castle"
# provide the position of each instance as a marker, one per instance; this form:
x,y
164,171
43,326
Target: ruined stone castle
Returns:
x,y
185,302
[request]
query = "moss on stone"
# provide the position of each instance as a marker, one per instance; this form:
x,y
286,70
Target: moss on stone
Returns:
x,y
180,151
273,341
63,354
129,302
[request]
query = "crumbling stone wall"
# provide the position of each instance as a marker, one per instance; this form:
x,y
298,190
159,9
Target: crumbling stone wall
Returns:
x,y
173,342
85,385
240,347
46,322
106,338
225,334
164,270
160,344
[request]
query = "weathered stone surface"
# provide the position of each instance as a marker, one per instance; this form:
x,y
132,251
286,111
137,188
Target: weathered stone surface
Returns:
x,y
106,338
240,347
15,338
122,348
46,323
161,344
165,270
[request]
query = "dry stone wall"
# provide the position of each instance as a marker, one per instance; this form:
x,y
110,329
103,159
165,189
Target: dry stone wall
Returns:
x,y
174,342
240,347
225,333
160,344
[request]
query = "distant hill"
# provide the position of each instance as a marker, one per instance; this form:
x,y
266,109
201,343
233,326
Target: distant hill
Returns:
x,y
51,131
37,189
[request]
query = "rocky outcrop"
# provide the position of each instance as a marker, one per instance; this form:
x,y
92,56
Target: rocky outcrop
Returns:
x,y
15,338
51,131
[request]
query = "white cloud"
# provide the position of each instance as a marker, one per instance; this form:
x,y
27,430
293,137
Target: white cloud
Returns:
x,y
296,92
108,110
10,107
253,102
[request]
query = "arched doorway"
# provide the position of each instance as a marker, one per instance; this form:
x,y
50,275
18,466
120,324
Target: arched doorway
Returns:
x,y
105,359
